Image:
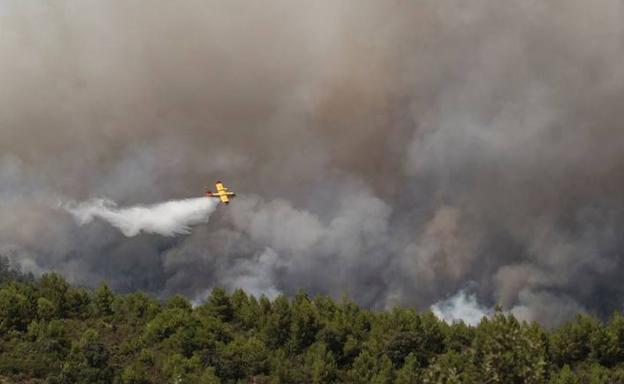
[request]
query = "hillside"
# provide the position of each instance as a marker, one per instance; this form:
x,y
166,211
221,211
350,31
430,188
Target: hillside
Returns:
x,y
51,332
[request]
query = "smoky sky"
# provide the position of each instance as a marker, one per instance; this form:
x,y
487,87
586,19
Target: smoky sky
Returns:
x,y
396,152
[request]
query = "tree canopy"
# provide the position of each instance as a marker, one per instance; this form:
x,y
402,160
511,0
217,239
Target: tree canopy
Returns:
x,y
51,332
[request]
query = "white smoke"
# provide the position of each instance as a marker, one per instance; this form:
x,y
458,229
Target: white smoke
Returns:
x,y
461,306
168,219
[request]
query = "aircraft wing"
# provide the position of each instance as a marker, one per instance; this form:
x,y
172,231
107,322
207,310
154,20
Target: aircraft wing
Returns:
x,y
222,193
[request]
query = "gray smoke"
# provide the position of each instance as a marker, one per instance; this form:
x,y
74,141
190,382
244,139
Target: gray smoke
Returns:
x,y
397,152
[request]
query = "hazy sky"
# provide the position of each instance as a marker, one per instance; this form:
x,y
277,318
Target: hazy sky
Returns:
x,y
398,151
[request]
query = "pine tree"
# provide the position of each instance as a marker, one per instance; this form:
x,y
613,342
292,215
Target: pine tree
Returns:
x,y
15,313
103,300
508,352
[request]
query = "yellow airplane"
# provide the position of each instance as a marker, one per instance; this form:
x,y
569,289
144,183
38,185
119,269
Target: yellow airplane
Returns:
x,y
222,193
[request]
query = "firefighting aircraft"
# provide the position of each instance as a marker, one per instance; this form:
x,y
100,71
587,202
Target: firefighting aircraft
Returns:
x,y
222,193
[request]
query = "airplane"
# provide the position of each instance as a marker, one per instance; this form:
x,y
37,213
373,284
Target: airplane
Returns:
x,y
222,193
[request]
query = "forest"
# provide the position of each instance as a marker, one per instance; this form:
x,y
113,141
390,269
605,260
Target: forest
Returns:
x,y
52,332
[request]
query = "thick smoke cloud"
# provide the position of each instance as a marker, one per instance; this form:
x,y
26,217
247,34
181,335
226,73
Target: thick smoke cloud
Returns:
x,y
397,152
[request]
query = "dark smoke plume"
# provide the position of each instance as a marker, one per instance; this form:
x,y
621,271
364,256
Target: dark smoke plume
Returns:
x,y
398,152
